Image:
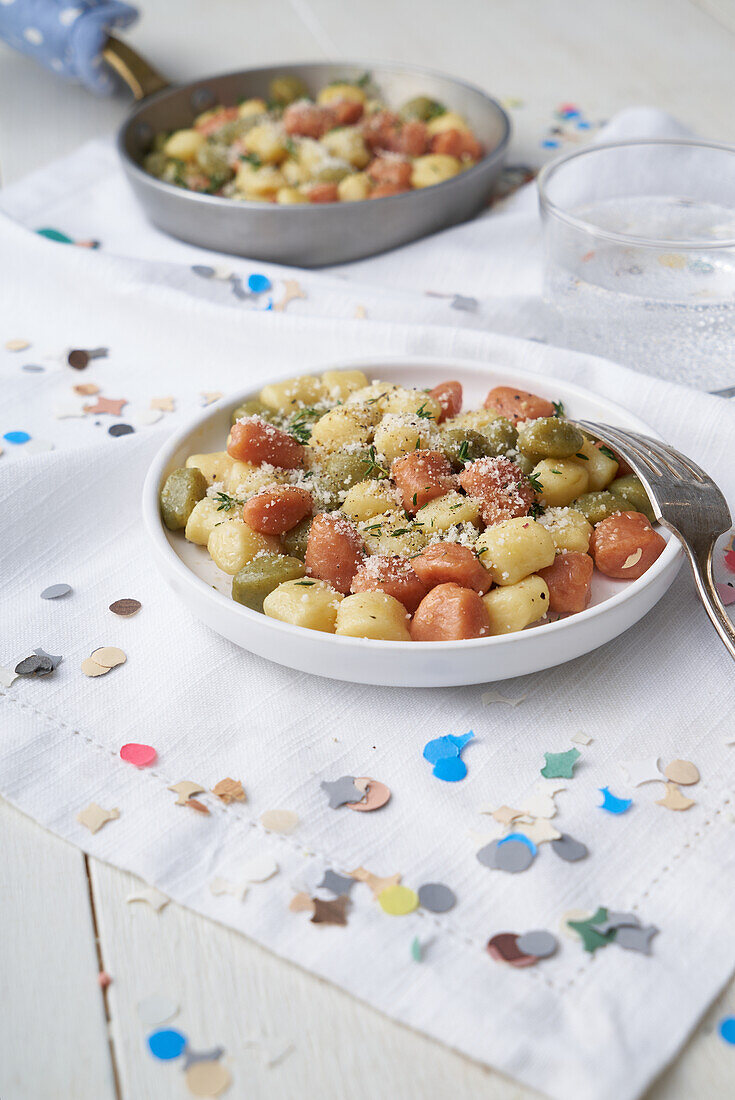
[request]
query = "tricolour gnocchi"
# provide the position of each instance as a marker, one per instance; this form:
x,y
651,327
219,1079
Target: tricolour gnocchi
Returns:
x,y
364,509
346,145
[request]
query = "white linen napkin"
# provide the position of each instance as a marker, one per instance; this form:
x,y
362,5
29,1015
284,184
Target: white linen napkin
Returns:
x,y
592,1028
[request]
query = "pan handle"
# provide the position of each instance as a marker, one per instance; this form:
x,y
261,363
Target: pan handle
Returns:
x,y
142,79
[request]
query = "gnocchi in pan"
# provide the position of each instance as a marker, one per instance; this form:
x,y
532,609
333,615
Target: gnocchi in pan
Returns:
x,y
343,146
370,510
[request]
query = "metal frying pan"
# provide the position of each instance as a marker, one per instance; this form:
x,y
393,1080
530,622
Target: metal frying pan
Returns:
x,y
303,235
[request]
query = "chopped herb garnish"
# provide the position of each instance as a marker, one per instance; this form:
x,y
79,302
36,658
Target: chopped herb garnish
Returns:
x,y
374,469
535,483
607,452
364,80
434,111
558,408
400,531
299,426
556,472
290,146
252,158
305,584
580,455
464,450
374,528
481,551
414,498
423,412
536,510
226,502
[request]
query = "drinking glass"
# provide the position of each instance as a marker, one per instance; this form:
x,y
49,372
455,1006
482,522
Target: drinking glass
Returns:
x,y
639,240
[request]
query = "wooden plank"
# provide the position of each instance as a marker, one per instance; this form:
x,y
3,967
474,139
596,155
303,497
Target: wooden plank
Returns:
x,y
231,990
53,1041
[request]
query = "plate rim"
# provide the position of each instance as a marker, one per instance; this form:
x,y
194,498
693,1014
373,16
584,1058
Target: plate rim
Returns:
x,y
156,532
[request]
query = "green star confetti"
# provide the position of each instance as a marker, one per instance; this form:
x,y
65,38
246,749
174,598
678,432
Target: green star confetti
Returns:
x,y
560,765
591,938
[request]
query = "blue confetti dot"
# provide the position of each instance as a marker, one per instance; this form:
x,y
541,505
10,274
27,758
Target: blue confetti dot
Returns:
x,y
258,284
612,803
166,1044
549,144
441,748
571,114
727,1029
523,839
451,769
17,437
582,125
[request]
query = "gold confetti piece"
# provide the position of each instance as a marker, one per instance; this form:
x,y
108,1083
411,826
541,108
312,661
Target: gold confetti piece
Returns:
x,y
330,912
301,903
540,831
94,817
86,389
17,345
360,313
91,668
185,789
229,790
279,821
682,772
164,404
504,814
209,397
291,291
581,738
151,896
376,884
109,656
207,1079
674,799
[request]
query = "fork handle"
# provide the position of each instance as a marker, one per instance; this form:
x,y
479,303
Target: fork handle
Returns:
x,y
700,558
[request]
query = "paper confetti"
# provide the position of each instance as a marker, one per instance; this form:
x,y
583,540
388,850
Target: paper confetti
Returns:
x,y
120,429
55,661
185,790
503,947
156,1009
291,292
674,799
107,406
376,795
540,943
506,815
210,396
417,953
259,868
17,437
642,771
37,665
7,676
489,697
512,855
86,389
397,900
301,903
612,804
341,791
17,345
375,882
330,912
104,981
207,1079
229,790
279,821
560,765
94,817
164,404
726,1029
125,608
436,897
443,753
166,1044
193,1057
568,849
139,755
591,939
635,939
540,803
55,591
581,738
219,886
151,896
79,357
541,831
336,884
682,772
102,660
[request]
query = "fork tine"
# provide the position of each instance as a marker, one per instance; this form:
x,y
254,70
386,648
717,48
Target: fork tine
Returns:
x,y
676,461
624,442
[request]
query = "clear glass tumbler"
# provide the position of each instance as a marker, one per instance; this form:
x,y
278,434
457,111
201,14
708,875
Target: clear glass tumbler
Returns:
x,y
639,241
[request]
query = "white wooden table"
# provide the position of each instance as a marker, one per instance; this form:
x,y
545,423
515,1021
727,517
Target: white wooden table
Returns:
x,y
63,917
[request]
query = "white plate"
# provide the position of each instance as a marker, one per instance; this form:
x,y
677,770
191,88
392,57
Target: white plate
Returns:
x,y
615,605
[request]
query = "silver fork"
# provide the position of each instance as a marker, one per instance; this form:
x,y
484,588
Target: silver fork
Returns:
x,y
685,500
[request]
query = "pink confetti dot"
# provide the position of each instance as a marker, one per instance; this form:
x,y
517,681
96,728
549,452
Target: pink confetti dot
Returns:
x,y
730,560
140,755
726,594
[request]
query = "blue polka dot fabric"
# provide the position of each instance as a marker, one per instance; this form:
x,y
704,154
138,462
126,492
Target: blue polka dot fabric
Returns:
x,y
66,36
